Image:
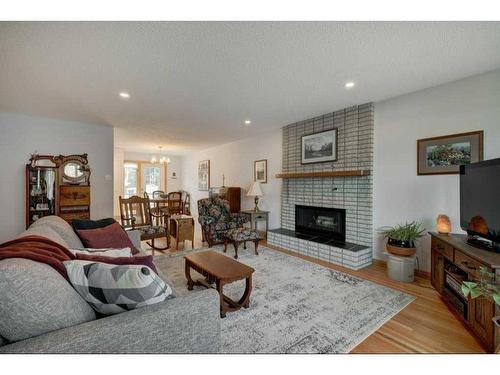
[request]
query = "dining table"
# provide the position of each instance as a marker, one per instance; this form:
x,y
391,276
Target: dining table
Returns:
x,y
161,203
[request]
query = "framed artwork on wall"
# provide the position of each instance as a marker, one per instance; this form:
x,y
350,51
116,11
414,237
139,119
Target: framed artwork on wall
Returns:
x,y
319,147
204,175
260,171
445,154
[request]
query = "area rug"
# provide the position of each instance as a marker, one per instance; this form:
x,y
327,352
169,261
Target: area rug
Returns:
x,y
297,306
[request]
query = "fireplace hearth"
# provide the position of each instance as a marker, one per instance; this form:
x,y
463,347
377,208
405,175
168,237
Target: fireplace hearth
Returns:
x,y
323,222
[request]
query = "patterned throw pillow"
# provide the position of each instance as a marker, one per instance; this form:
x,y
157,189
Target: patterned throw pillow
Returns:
x,y
145,260
112,289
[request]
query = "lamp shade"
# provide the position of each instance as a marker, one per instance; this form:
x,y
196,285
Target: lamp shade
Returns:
x,y
255,190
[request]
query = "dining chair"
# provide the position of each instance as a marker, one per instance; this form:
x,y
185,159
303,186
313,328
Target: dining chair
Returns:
x,y
135,213
174,202
158,194
186,203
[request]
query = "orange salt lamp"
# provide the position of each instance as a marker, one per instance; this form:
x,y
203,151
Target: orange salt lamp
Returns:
x,y
478,224
443,225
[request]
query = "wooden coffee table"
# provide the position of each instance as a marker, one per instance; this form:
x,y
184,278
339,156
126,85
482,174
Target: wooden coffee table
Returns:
x,y
221,270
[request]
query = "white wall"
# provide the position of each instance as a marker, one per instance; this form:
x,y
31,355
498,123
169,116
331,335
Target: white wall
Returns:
x,y
399,194
118,159
22,135
235,161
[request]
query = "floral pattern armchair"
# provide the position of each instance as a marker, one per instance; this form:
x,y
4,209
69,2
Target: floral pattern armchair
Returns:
x,y
216,219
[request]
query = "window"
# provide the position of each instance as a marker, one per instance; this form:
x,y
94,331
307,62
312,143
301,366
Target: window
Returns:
x,y
140,177
130,174
152,179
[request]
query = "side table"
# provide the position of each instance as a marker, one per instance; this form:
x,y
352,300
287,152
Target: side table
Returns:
x,y
256,216
182,229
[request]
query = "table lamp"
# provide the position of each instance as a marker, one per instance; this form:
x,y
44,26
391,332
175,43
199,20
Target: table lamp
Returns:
x,y
255,191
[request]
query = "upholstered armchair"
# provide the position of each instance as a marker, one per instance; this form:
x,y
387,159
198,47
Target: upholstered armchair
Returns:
x,y
216,219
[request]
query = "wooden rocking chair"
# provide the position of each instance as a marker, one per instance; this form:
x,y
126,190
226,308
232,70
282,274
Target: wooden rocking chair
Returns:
x,y
135,213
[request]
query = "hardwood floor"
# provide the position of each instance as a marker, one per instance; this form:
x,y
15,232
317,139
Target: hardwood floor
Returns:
x,y
424,326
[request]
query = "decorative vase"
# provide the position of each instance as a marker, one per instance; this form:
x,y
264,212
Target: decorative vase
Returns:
x,y
400,247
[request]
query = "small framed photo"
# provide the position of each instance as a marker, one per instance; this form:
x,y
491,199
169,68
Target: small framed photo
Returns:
x,y
204,175
445,154
319,147
260,171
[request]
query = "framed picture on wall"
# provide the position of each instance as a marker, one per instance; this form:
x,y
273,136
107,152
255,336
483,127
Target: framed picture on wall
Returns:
x,y
260,171
204,175
319,147
445,154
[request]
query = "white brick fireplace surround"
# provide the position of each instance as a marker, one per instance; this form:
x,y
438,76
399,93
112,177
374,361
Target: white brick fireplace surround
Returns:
x,y
354,194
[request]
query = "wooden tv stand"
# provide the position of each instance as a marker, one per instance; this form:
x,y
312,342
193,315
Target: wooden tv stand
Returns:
x,y
453,260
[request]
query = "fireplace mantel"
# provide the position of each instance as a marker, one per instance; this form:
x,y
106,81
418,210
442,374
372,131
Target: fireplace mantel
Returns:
x,y
350,173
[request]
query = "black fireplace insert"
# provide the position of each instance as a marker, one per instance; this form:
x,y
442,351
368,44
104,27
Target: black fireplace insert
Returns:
x,y
320,221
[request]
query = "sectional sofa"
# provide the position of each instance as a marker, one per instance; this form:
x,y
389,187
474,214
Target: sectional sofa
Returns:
x,y
40,312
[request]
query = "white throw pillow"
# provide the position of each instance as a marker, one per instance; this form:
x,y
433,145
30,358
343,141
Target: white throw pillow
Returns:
x,y
112,289
114,253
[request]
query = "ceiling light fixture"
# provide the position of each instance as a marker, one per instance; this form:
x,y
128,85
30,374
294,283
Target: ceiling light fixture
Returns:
x,y
248,122
162,158
349,85
124,95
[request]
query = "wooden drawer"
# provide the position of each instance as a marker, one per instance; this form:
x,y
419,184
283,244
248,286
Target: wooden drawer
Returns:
x,y
443,248
74,196
75,215
468,264
259,216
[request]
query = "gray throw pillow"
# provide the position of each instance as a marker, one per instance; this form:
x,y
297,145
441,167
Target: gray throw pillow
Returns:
x,y
35,299
62,228
112,289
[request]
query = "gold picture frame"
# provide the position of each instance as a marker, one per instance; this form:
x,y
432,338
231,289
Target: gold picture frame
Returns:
x,y
445,154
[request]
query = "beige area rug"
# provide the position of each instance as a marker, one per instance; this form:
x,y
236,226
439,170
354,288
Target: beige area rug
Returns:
x,y
296,306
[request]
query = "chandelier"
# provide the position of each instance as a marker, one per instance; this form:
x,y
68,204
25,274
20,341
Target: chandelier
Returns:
x,y
162,159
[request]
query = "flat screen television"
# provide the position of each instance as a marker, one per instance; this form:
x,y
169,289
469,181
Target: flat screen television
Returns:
x,y
480,203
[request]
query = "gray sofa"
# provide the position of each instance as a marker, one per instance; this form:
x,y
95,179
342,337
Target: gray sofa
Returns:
x,y
41,313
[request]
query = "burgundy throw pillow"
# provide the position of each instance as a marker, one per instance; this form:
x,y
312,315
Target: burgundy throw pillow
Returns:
x,y
111,236
142,260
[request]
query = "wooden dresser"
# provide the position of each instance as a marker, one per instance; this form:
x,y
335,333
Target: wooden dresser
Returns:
x,y
453,260
74,202
231,194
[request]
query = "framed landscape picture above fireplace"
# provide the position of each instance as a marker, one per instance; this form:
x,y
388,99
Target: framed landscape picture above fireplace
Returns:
x,y
445,154
319,147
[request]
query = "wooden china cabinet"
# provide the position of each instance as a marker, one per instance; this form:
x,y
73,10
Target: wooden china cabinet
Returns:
x,y
231,194
57,185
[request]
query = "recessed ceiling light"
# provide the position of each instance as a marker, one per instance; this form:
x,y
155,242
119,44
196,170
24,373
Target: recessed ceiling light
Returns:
x,y
248,122
124,95
349,85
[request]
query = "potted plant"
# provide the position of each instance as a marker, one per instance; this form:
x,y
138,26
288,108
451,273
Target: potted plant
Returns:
x,y
486,287
401,238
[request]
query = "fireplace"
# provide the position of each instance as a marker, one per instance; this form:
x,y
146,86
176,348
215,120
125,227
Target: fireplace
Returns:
x,y
328,223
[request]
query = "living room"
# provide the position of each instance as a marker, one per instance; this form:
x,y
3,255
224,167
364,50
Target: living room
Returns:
x,y
250,187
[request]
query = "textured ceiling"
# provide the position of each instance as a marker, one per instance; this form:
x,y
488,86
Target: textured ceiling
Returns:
x,y
192,84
